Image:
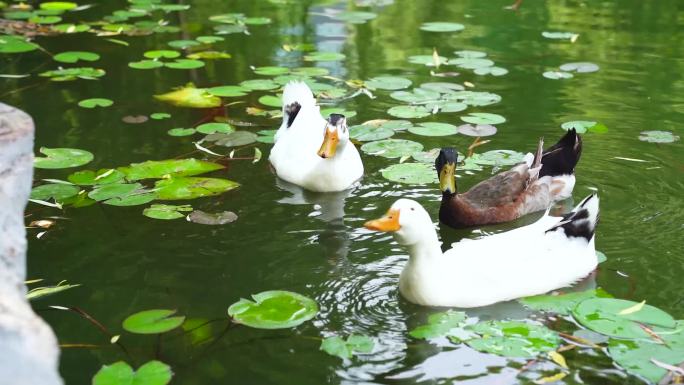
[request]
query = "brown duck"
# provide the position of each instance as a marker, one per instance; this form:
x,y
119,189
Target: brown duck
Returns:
x,y
533,185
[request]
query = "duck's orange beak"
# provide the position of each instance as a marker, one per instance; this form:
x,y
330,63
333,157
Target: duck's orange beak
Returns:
x,y
329,145
388,222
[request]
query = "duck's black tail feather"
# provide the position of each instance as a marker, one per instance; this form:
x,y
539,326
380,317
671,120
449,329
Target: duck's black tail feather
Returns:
x,y
562,157
580,222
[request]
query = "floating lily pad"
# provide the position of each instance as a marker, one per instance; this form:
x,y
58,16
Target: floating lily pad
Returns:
x,y
62,158
57,191
494,71
271,101
337,346
166,212
71,28
439,324
68,74
469,54
95,102
387,83
234,139
442,87
214,219
192,187
473,98
499,158
441,26
152,321
658,137
433,129
580,126
136,198
266,136
74,56
409,112
120,373
310,71
276,309
113,190
562,303
146,64
160,116
483,118
228,29
214,127
417,95
427,60
259,84
513,339
209,55
364,133
410,173
557,75
356,17
182,44
45,19
257,20
581,67
271,71
446,106
58,5
134,119
181,131
90,178
162,54
324,56
228,91
209,39
559,35
477,130
185,64
392,148
613,317
471,63
397,125
153,169
192,97
428,156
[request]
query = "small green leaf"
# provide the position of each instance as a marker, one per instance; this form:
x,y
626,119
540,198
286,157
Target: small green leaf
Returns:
x,y
192,187
562,303
185,64
159,54
410,173
392,148
434,129
146,64
89,177
181,131
388,83
228,91
275,309
324,56
602,316
190,96
658,137
57,191
160,115
440,26
152,321
213,127
62,158
483,118
74,56
166,212
95,102
120,373
439,325
153,169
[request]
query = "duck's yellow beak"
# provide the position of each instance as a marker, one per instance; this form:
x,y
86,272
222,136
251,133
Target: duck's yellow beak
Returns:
x,y
447,181
388,222
329,145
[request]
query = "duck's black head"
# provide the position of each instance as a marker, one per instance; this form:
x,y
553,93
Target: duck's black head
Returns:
x,y
445,164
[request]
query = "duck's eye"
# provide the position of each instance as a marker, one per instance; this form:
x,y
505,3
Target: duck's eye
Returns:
x,y
413,209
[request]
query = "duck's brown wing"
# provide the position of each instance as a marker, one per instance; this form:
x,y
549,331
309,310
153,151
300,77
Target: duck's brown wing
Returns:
x,y
501,189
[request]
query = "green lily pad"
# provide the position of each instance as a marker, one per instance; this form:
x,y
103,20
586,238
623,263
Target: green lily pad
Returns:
x,y
271,101
469,54
471,63
192,187
58,5
209,55
392,148
159,116
234,139
95,102
228,91
214,127
74,56
71,28
153,169
367,133
562,303
559,35
162,54
152,321
266,136
146,64
213,219
310,71
183,44
477,130
57,191
441,26
62,158
348,114
68,74
494,71
91,178
356,17
498,158
185,64
428,156
442,87
658,137
229,29
602,315
410,173
271,71
409,112
557,75
275,309
580,126
192,97
513,339
417,95
181,131
483,118
473,98
446,106
259,84
257,20
15,44
45,19
136,198
439,324
113,190
601,257
209,39
166,212
120,373
433,129
388,83
324,56
580,67
338,347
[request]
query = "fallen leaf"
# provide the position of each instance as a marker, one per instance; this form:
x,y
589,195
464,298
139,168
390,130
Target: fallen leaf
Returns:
x,y
633,309
559,359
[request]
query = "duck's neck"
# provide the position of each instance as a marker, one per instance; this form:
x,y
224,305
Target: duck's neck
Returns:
x,y
427,248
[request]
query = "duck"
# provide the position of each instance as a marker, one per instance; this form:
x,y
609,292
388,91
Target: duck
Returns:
x,y
310,151
533,185
551,253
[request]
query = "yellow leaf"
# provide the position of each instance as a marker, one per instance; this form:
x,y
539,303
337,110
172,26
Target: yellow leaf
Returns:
x,y
435,58
559,359
556,377
633,309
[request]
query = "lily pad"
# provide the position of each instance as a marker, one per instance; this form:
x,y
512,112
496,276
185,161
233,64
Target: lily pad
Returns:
x,y
192,187
68,74
392,148
580,126
120,373
74,56
324,56
387,83
95,102
499,158
271,71
234,139
257,20
477,130
159,116
356,17
428,156
152,321
427,60
559,35
367,133
58,5
162,54
192,97
417,95
397,125
611,317
91,178
442,87
494,71
433,129
338,347
471,63
271,101
409,112
183,44
410,173
259,84
62,158
580,67
469,54
228,91
209,39
441,26
57,191
276,309
136,198
557,75
483,118
146,64
209,55
562,303
113,190
153,169
513,339
658,137
473,98
221,218
185,64
214,127
166,212
179,131
266,136
439,324
446,106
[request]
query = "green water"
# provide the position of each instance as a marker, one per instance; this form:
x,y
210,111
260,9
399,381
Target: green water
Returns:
x,y
286,239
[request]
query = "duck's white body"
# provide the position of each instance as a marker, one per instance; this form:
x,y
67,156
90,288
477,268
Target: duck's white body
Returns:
x,y
527,261
294,154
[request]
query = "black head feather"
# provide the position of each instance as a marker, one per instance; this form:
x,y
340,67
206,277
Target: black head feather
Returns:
x,y
446,155
334,119
291,110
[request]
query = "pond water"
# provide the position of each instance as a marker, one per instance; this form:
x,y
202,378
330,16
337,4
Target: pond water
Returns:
x,y
293,240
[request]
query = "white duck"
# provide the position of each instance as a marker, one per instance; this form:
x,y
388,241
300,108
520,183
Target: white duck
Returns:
x,y
551,253
311,152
